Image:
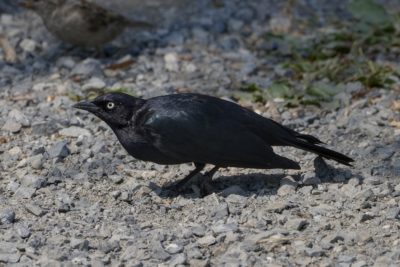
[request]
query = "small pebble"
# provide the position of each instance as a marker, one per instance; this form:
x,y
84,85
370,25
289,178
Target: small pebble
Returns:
x,y
7,216
206,241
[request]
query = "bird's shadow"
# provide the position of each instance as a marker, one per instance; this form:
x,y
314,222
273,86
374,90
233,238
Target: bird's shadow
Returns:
x,y
259,184
244,185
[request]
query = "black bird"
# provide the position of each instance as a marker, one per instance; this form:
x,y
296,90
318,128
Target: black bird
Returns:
x,y
183,128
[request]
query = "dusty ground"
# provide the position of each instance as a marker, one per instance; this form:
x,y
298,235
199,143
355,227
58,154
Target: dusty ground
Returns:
x,y
70,195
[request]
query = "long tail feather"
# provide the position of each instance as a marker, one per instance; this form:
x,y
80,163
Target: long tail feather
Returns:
x,y
322,151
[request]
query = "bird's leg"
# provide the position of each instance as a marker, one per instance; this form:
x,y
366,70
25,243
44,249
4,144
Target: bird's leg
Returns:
x,y
205,186
209,175
198,168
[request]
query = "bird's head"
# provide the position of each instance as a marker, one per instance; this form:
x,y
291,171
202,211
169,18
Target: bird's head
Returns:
x,y
116,109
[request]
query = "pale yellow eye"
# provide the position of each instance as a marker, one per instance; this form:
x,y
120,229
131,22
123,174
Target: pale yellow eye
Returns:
x,y
110,105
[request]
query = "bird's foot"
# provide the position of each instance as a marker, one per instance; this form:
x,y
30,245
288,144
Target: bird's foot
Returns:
x,y
202,187
206,188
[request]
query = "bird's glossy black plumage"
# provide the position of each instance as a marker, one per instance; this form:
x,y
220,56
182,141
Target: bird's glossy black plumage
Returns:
x,y
182,128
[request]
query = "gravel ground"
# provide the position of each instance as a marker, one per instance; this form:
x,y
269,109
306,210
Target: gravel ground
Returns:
x,y
70,195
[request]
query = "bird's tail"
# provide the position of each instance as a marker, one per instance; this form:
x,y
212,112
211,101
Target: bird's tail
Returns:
x,y
302,142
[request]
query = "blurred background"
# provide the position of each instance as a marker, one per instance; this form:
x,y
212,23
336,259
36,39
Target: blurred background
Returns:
x,y
255,49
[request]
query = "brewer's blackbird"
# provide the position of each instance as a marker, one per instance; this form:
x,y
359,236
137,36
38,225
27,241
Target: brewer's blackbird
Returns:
x,y
183,128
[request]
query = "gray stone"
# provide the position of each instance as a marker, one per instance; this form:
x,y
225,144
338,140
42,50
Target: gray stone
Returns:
x,y
15,151
220,212
19,117
36,161
359,264
385,153
366,195
299,245
59,150
371,129
28,45
235,199
80,244
223,228
23,231
25,192
277,206
12,126
194,252
159,253
198,230
334,238
178,260
268,240
353,181
365,217
65,62
63,207
125,196
286,190
346,258
174,248
7,216
88,68
94,83
393,213
35,210
305,190
116,179
315,252
115,194
99,147
231,237
74,131
397,187
233,190
289,180
171,62
206,241
107,246
13,186
34,181
44,128
372,180
296,224
10,257
310,178
199,263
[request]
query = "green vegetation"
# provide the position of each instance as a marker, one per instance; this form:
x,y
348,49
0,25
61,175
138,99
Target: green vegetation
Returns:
x,y
319,66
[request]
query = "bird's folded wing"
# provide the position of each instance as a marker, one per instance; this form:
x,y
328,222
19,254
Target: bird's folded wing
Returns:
x,y
198,137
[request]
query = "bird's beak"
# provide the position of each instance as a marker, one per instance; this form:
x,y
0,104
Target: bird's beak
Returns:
x,y
86,105
26,4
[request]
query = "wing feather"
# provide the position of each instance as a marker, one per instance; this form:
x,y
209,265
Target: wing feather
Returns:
x,y
202,131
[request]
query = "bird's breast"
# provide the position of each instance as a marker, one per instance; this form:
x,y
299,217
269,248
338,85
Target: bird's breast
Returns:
x,y
140,149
